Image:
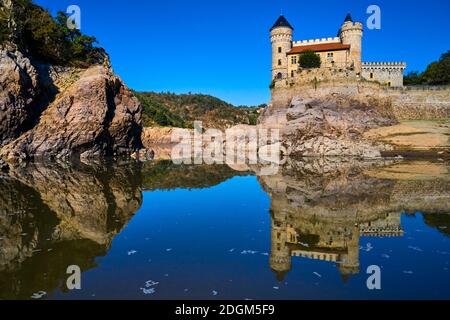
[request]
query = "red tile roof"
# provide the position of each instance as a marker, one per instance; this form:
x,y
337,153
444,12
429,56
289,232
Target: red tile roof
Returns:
x,y
320,47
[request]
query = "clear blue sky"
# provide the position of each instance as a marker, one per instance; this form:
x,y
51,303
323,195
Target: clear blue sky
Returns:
x,y
222,47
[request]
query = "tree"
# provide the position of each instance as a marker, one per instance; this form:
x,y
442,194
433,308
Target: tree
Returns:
x,y
309,59
46,38
438,73
413,78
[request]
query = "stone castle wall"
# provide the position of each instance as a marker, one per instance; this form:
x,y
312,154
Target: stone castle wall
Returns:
x,y
421,103
386,73
406,103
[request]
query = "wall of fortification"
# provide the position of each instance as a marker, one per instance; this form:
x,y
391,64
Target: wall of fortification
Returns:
x,y
420,104
386,73
406,103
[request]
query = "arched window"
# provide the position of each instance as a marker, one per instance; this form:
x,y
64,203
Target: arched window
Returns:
x,y
279,75
279,62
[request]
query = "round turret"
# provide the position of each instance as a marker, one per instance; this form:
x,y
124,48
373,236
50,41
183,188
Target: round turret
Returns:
x,y
351,33
281,39
280,255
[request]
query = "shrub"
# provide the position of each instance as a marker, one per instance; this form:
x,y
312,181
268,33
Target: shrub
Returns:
x,y
309,59
272,84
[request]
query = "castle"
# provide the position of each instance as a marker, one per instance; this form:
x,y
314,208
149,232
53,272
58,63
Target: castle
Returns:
x,y
341,53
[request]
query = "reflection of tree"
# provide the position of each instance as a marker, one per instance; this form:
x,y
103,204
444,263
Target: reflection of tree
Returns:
x,y
439,221
320,209
164,175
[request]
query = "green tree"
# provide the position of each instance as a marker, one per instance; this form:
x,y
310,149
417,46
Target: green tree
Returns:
x,y
413,78
438,73
46,38
309,59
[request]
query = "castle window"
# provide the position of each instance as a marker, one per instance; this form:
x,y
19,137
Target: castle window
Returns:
x,y
279,75
330,55
371,75
279,62
292,73
280,49
294,60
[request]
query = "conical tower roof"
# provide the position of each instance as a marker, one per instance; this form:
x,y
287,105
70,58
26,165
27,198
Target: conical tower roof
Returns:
x,y
348,18
281,23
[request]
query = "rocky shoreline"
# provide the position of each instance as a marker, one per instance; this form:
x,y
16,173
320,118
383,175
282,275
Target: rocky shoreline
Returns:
x,y
65,113
82,113
352,121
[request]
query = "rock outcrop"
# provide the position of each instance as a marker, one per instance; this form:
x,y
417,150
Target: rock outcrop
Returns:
x,y
93,115
329,126
19,88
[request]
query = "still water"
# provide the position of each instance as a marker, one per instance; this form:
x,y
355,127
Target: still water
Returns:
x,y
161,231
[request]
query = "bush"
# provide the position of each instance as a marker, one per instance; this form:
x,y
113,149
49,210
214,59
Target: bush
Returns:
x,y
309,59
272,84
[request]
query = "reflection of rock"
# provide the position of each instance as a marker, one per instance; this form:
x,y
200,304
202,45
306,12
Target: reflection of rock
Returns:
x,y
320,208
3,165
56,216
87,200
53,216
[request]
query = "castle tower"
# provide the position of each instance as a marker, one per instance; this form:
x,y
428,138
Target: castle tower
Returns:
x,y
350,264
280,256
351,33
281,39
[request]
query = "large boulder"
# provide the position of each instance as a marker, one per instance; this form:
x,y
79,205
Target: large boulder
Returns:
x,y
329,127
96,116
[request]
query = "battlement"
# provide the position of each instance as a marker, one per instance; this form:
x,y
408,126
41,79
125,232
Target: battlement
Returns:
x,y
352,26
316,41
384,65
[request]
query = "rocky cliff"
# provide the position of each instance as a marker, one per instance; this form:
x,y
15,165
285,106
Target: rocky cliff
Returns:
x,y
329,125
354,118
57,112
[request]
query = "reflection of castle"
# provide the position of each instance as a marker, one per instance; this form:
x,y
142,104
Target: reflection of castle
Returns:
x,y
321,208
324,240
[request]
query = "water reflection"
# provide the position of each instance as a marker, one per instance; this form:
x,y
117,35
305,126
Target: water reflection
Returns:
x,y
53,216
56,215
320,209
59,215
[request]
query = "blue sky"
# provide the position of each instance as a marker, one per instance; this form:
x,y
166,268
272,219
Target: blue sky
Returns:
x,y
222,47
